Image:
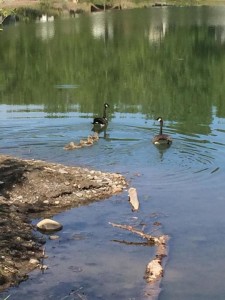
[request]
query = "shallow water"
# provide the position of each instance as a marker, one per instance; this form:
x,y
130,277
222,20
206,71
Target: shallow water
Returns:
x,y
182,186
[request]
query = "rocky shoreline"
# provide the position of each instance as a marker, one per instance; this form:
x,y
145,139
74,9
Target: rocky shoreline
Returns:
x,y
33,188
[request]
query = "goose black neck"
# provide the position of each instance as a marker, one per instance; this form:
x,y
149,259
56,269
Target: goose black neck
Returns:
x,y
104,112
161,126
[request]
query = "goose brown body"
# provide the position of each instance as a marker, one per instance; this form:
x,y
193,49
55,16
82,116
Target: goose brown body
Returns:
x,y
102,121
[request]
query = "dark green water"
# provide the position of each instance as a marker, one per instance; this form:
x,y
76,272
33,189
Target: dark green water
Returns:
x,y
169,62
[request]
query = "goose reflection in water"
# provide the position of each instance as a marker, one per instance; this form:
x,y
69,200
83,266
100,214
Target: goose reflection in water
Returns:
x,y
162,150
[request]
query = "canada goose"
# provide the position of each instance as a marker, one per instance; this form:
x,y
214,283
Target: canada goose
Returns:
x,y
102,121
161,139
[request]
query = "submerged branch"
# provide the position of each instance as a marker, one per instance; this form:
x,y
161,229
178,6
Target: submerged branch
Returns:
x,y
133,243
154,269
153,239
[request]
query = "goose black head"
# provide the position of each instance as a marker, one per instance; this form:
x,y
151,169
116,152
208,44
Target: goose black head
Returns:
x,y
159,119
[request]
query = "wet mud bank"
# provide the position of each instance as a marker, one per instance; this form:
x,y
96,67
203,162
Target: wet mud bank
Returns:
x,y
31,189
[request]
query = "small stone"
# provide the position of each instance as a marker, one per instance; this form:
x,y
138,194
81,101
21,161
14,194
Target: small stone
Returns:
x,y
43,267
98,181
116,190
54,237
117,176
98,173
79,195
49,225
34,261
62,171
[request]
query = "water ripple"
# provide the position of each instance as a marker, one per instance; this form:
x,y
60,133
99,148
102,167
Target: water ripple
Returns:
x,y
191,161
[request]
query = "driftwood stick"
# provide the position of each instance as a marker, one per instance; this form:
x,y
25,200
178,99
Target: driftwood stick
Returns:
x,y
153,239
133,198
154,269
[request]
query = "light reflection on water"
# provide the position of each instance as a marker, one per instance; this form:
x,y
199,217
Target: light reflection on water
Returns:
x,y
182,184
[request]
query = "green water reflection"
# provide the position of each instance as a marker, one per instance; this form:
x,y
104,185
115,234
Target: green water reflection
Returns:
x,y
156,61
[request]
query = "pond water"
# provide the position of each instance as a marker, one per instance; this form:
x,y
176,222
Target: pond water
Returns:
x,y
169,62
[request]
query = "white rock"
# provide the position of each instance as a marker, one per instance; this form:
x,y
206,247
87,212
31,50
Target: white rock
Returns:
x,y
34,261
54,237
43,267
49,225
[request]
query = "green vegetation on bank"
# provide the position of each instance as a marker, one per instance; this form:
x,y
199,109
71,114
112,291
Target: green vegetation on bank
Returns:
x,y
58,7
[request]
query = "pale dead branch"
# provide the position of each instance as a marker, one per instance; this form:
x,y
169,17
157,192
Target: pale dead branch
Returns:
x,y
133,198
154,269
152,239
